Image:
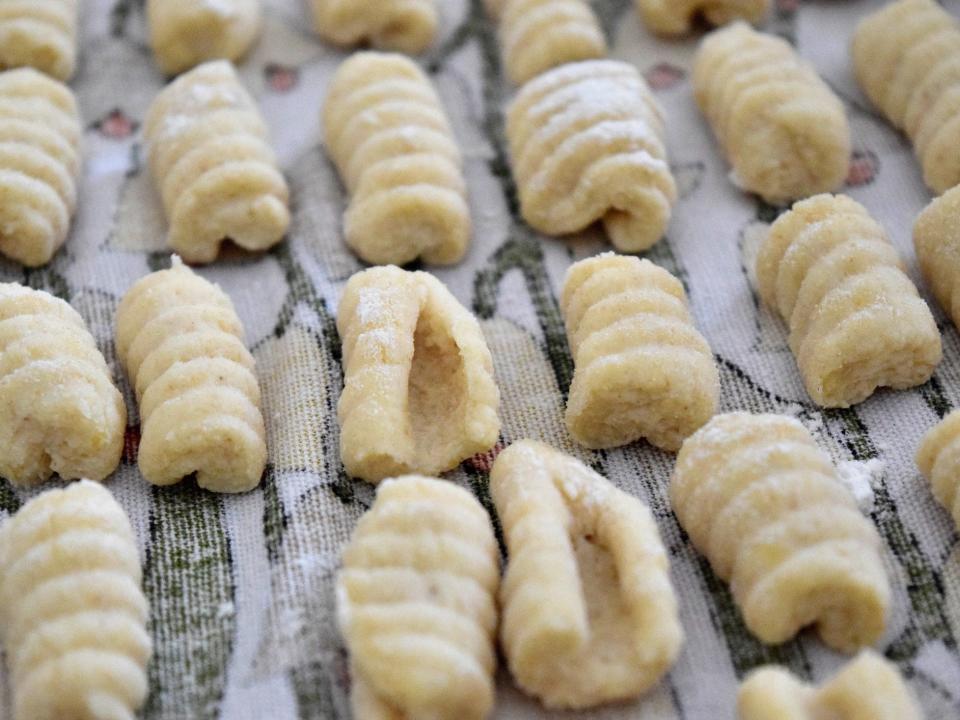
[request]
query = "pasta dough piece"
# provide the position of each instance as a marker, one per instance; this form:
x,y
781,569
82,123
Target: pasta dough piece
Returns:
x,y
936,237
642,369
586,144
589,613
675,17
185,34
419,394
387,133
72,614
407,26
181,342
781,127
416,604
906,56
765,505
939,460
41,34
536,35
59,410
856,320
867,688
39,164
212,162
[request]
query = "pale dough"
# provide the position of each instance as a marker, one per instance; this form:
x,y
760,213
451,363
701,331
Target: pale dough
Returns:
x,y
72,614
419,393
641,368
939,460
764,504
676,17
936,238
181,342
387,133
211,159
406,26
416,604
40,161
589,613
856,320
41,34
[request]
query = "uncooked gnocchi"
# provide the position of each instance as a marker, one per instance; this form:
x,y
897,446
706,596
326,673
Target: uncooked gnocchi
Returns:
x,y
856,320
764,504
936,238
589,614
536,35
407,26
867,688
185,34
781,127
642,369
586,144
181,342
39,164
676,17
907,60
212,162
59,410
939,460
388,135
41,34
72,615
419,394
416,604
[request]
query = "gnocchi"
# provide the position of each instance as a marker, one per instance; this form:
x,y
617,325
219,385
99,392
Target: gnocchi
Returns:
x,y
41,34
407,26
939,460
676,17
936,238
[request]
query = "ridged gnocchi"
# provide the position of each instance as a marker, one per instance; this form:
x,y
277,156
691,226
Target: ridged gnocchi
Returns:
x,y
866,688
586,145
387,133
181,342
419,393
59,410
856,320
589,613
764,504
41,34
536,35
906,56
676,17
213,165
39,164
185,34
407,26
781,127
936,238
939,460
641,368
416,604
72,615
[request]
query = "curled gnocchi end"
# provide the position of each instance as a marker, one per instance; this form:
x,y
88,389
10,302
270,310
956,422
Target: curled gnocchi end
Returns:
x,y
676,17
407,26
939,460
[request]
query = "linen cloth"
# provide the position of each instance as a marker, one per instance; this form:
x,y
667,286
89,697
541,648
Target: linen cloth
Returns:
x,y
241,588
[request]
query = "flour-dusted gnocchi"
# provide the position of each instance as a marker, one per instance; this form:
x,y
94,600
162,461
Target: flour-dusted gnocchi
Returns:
x,y
407,26
936,238
866,688
185,34
856,320
59,410
536,35
907,60
765,505
676,17
181,342
781,127
39,164
72,615
41,34
939,460
388,135
589,614
416,604
586,144
212,162
642,369
419,393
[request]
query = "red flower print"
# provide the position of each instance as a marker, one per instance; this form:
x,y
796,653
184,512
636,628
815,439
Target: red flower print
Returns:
x,y
281,78
788,6
864,166
664,76
116,125
483,462
131,444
